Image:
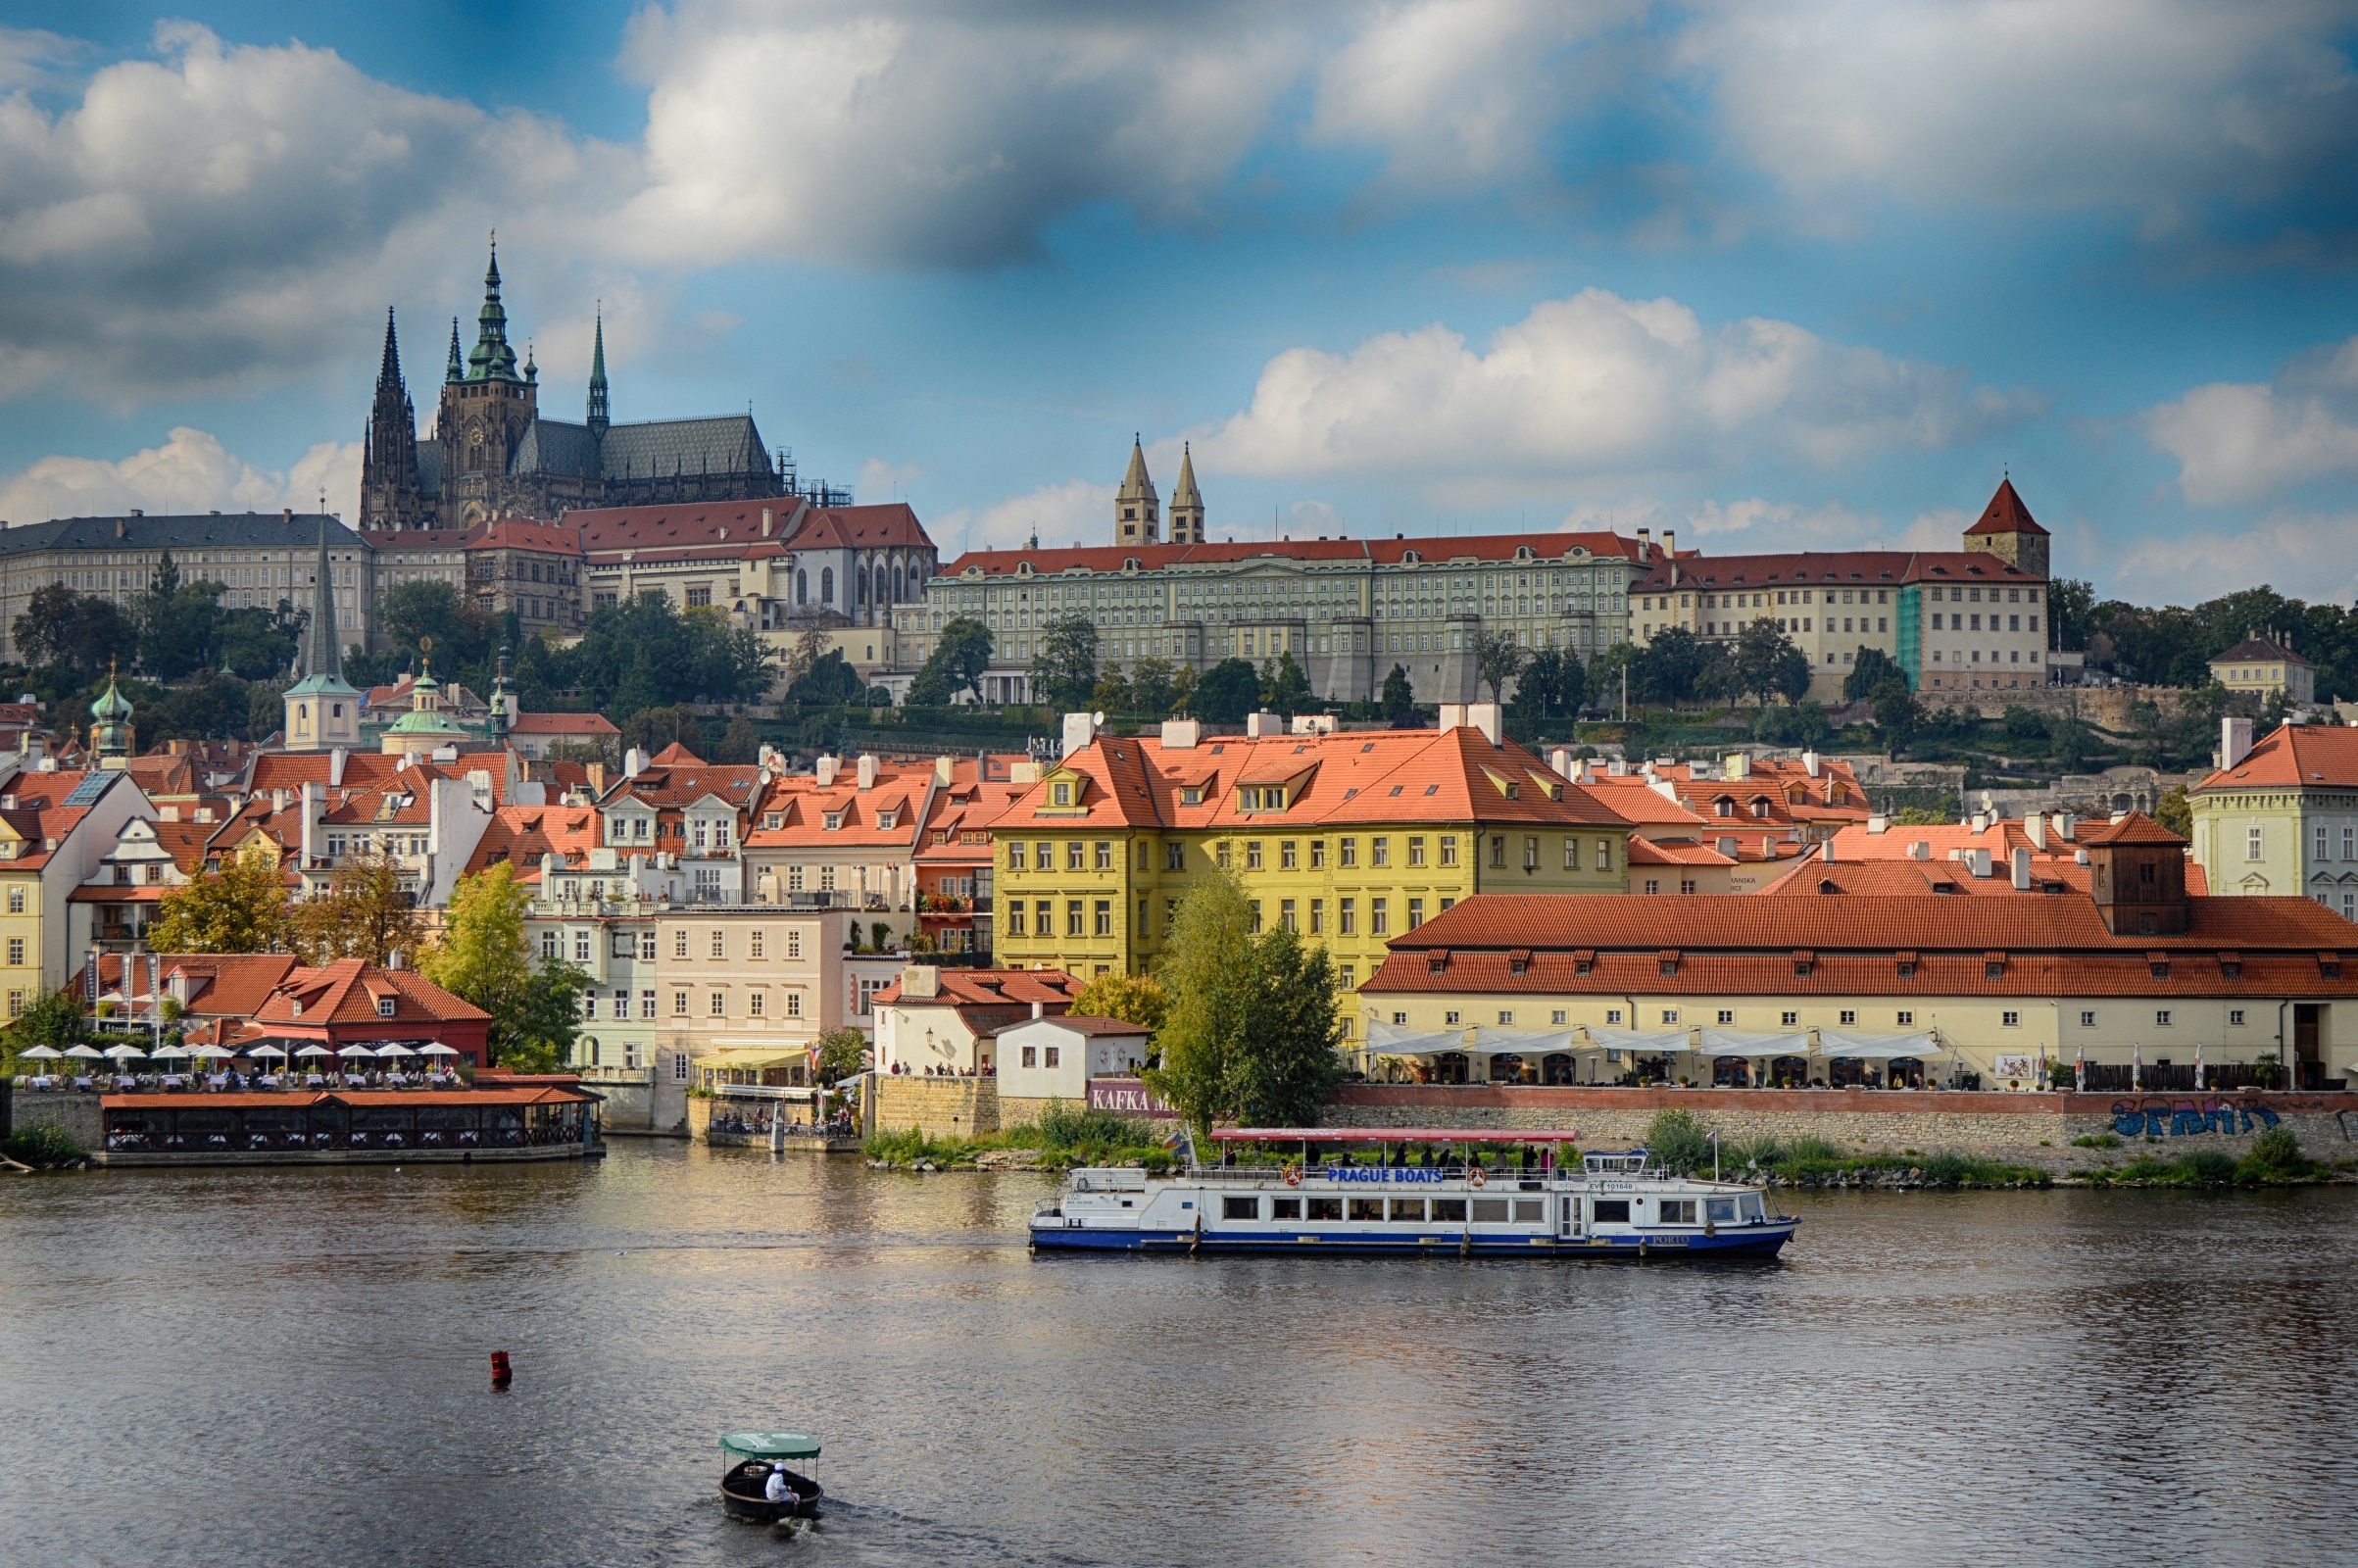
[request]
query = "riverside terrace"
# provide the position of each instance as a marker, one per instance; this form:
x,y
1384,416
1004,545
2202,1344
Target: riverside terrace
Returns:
x,y
496,1118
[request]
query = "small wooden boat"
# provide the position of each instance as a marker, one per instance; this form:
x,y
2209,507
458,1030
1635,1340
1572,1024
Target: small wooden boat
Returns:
x,y
754,1458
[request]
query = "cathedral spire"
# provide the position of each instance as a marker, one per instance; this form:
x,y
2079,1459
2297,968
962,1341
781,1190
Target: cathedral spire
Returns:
x,y
1136,507
1187,502
492,358
390,494
321,656
598,416
455,371
388,369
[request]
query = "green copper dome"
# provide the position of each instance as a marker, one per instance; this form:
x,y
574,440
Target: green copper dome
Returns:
x,y
112,706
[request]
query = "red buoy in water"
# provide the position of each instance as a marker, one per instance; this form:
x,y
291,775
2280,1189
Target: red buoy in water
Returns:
x,y
500,1373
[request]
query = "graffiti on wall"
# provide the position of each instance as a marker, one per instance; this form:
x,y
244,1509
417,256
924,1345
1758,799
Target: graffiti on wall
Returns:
x,y
2180,1119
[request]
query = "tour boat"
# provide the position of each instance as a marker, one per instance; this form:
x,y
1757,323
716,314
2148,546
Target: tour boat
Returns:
x,y
1424,1193
754,1455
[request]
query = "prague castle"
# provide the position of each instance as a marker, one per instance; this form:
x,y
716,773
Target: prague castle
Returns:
x,y
493,453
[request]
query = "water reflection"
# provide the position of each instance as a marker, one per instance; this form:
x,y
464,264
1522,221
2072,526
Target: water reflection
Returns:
x,y
299,1359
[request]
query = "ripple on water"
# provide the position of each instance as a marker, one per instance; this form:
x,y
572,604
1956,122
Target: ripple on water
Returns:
x,y
290,1367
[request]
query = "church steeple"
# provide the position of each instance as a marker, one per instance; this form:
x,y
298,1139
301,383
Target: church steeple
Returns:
x,y
455,371
492,360
598,418
390,493
1187,502
1137,509
321,709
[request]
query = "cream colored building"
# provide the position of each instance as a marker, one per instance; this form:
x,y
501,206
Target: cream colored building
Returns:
x,y
752,988
2264,666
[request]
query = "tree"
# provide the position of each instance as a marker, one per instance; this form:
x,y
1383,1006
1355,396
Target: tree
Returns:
x,y
1873,667
534,1013
1252,1030
1792,675
1150,687
1668,668
2176,812
646,653
1552,686
463,634
1896,715
740,743
240,908
540,1025
54,1020
958,659
1225,693
1497,660
1064,670
1285,688
212,707
266,709
2071,611
178,624
1399,698
365,914
1112,693
1133,999
60,626
841,1054
829,682
654,728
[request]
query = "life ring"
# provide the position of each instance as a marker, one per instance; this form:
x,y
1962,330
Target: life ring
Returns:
x,y
1292,1175
1477,1177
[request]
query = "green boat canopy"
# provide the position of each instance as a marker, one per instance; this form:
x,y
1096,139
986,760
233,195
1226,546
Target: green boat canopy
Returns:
x,y
771,1444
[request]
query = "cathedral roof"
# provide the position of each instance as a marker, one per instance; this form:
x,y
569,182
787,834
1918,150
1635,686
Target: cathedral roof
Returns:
x,y
729,444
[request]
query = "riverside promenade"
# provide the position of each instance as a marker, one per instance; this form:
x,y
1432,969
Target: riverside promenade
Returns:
x,y
2021,1128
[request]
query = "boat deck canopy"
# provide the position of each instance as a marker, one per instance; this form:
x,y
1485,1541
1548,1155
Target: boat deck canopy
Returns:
x,y
1385,1135
771,1444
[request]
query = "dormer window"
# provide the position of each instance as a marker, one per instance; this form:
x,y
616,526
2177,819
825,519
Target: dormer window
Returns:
x,y
834,820
385,1006
773,820
1191,795
885,820
1060,793
1725,806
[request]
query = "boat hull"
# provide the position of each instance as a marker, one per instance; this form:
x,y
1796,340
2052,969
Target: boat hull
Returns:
x,y
751,1505
1745,1241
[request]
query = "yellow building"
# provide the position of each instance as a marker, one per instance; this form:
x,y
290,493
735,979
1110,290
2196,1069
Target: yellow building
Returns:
x,y
2265,666
55,829
1350,838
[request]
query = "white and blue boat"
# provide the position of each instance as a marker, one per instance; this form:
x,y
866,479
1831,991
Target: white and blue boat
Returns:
x,y
1409,1192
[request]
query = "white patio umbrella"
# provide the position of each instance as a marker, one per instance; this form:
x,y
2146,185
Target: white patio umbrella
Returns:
x,y
85,1053
168,1050
356,1050
438,1048
42,1054
272,1051
203,1053
2136,1067
2198,1080
302,1051
125,1053
395,1050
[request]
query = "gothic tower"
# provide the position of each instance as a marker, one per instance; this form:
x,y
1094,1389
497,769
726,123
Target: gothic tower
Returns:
x,y
598,413
2008,531
1187,504
390,495
322,710
486,412
1136,509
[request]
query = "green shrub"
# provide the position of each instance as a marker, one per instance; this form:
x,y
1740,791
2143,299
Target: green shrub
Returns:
x,y
2275,1156
43,1148
1947,1170
2098,1140
2211,1167
1813,1151
1679,1142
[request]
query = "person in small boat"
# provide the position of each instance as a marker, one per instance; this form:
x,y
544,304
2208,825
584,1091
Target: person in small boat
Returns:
x,y
777,1490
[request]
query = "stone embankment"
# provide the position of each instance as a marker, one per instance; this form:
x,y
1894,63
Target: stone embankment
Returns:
x,y
2023,1129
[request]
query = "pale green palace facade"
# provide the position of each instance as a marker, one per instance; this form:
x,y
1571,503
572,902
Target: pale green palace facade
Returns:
x,y
2283,819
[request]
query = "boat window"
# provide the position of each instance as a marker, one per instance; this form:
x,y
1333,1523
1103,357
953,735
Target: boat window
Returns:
x,y
1127,1204
1285,1208
1720,1211
1367,1208
1490,1210
1325,1208
1530,1211
1613,1211
1449,1211
1678,1210
1752,1208
1407,1211
1233,1207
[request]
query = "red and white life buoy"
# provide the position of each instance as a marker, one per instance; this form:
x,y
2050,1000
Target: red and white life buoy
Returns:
x,y
1477,1177
1292,1175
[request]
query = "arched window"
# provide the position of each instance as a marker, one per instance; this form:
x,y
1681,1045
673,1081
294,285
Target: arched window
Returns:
x,y
826,585
896,586
303,712
339,710
801,587
864,584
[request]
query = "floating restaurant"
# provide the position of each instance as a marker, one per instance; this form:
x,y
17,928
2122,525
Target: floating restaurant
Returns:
x,y
505,1121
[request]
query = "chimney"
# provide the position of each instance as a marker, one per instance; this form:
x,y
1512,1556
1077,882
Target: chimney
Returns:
x,y
867,770
1670,542
826,767
1728,846
1485,718
635,762
1920,849
1979,861
1039,1010
1827,855
597,778
920,982
1809,763
336,758
315,803
1645,544
278,799
1452,715
2064,826
765,522
1181,734
1079,730
1263,723
1878,823
1981,822
944,769
286,513
2234,741
2022,869
1737,766
1559,757
2035,827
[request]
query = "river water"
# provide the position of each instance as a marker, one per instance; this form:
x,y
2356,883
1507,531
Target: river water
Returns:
x,y
266,1367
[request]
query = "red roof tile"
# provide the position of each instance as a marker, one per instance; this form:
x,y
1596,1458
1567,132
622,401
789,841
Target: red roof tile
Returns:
x,y
2006,514
2303,754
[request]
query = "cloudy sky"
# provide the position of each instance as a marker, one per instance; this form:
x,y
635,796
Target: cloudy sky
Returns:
x,y
1782,273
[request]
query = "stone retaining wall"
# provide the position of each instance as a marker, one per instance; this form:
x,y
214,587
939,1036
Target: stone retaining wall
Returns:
x,y
959,1107
76,1115
2027,1129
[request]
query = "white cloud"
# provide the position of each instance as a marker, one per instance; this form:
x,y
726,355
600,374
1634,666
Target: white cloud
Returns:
x,y
1591,385
2242,441
191,471
217,218
2311,556
2147,103
1077,512
880,480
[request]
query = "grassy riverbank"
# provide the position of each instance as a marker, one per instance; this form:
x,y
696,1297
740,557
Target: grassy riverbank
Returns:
x,y
1063,1136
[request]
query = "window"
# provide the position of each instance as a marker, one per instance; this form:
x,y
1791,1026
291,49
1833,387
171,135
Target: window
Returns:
x,y
1072,917
1571,855
794,1003
1850,1017
1105,856
1498,852
2011,1020
1073,855
679,1004
1252,855
1452,1019
679,943
2234,1017
1233,1207
1416,914
1725,1015
720,944
2324,849
1287,861
2252,847
1043,856
1015,855
1174,856
646,1004
1346,916
548,947
794,944
1015,919
1789,1019
1051,1055
1317,855
1104,917
1379,852
1604,855
755,1001
1416,851
2161,1017
1285,915
1348,853
16,901
1378,922
1031,1055
1317,917
1063,794
756,942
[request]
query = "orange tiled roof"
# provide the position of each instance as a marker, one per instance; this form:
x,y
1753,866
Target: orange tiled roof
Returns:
x,y
522,834
1381,552
2290,756
348,990
2006,513
979,987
